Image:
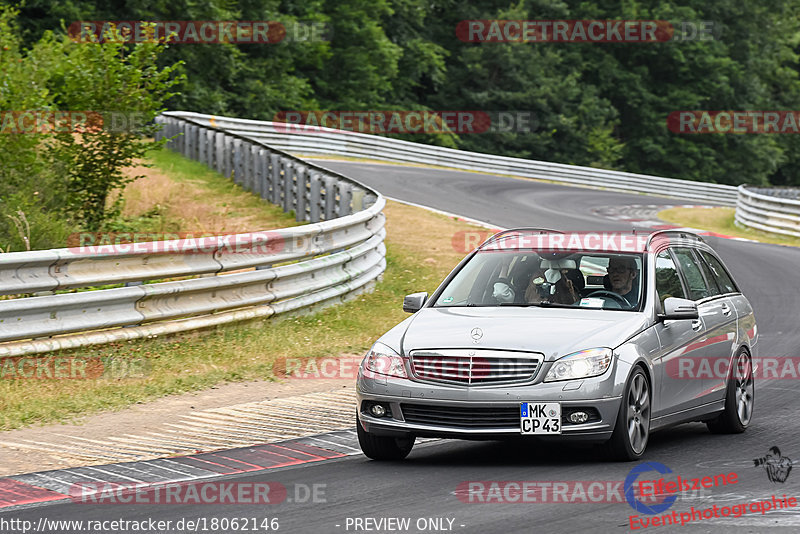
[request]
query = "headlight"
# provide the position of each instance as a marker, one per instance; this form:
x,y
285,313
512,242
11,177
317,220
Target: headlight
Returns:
x,y
583,364
382,360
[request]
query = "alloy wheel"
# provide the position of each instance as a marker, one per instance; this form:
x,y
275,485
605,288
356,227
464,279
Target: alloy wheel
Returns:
x,y
638,413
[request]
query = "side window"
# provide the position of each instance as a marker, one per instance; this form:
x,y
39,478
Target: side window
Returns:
x,y
722,277
711,280
668,284
691,272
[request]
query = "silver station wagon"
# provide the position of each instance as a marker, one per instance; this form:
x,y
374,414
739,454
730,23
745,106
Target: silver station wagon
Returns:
x,y
545,335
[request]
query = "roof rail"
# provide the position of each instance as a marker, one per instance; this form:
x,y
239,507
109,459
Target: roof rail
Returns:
x,y
502,233
685,234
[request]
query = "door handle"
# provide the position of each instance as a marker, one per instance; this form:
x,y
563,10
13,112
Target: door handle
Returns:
x,y
697,325
726,310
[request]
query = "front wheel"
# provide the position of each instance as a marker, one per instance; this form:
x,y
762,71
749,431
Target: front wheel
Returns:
x,y
382,447
739,398
632,429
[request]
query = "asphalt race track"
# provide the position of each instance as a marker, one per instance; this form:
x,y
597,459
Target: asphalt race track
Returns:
x,y
428,485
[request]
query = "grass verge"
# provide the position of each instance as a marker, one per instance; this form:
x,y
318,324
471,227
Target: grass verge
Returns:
x,y
182,195
721,220
419,255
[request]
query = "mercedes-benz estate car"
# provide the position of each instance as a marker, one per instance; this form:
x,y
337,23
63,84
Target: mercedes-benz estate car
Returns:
x,y
544,335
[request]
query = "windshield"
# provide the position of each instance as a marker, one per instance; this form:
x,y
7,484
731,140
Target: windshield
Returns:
x,y
579,279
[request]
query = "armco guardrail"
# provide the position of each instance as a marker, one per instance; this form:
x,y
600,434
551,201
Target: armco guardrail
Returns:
x,y
339,255
318,141
775,209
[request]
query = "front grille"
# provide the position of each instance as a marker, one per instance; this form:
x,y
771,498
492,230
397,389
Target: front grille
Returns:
x,y
455,417
474,367
460,417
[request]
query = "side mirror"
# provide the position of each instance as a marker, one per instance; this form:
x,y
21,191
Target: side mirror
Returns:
x,y
414,302
677,309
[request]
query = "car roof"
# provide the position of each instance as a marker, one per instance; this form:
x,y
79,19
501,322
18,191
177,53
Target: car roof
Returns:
x,y
527,238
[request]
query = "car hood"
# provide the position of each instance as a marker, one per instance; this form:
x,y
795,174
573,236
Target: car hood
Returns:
x,y
553,332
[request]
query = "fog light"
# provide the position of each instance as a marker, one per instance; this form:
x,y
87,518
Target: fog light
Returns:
x,y
578,417
377,410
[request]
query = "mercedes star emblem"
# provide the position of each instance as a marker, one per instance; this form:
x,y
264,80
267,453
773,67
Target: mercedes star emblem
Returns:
x,y
476,334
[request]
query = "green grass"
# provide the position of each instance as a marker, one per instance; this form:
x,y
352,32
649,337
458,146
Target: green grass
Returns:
x,y
237,352
721,221
418,257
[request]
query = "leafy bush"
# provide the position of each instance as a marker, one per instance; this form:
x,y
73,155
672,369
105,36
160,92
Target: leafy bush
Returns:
x,y
60,180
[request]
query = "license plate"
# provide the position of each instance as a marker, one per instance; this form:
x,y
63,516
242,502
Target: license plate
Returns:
x,y
540,418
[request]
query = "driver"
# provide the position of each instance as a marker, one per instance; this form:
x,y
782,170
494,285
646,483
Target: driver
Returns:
x,y
622,273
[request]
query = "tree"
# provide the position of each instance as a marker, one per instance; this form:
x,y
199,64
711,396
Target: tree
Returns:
x,y
121,89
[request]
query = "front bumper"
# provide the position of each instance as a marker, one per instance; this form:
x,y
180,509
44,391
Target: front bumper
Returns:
x,y
489,411
506,425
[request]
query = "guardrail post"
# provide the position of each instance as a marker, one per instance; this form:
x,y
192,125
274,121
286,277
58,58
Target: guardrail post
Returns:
x,y
187,140
302,193
226,156
210,146
345,196
254,183
247,166
194,137
237,161
219,152
330,198
244,163
289,202
262,162
358,199
275,179
181,139
174,131
201,145
315,196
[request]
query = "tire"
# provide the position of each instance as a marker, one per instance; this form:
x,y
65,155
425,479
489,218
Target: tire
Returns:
x,y
739,398
383,448
632,430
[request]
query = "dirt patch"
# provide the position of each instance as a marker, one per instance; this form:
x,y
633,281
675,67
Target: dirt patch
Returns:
x,y
205,204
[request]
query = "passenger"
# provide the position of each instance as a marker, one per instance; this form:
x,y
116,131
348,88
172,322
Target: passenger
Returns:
x,y
557,284
554,285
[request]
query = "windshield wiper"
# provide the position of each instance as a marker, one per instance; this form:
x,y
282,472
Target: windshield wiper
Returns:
x,y
542,304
